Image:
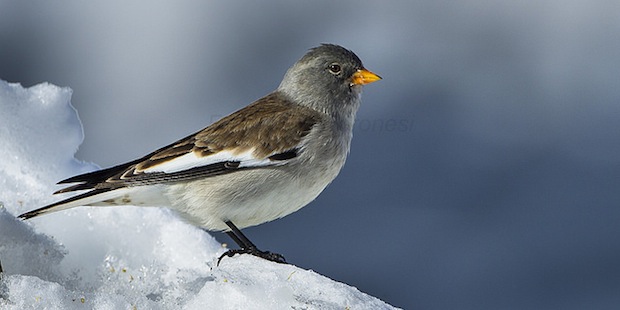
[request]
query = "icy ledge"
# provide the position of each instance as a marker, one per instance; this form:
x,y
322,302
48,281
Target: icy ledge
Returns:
x,y
123,257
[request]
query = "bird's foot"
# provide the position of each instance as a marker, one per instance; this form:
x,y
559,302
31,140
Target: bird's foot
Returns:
x,y
274,257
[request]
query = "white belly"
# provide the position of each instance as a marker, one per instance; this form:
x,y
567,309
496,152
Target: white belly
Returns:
x,y
247,198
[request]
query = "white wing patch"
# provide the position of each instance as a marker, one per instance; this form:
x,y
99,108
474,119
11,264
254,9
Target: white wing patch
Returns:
x,y
190,160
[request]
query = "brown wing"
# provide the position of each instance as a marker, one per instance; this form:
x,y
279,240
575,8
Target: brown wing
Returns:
x,y
272,126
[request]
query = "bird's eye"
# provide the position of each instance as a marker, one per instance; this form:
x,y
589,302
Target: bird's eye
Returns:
x,y
335,68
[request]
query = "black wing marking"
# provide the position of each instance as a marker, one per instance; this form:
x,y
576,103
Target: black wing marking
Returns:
x,y
184,175
98,178
290,154
119,176
90,180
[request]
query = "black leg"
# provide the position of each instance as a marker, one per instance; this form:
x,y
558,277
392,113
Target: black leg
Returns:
x,y
240,238
236,239
247,247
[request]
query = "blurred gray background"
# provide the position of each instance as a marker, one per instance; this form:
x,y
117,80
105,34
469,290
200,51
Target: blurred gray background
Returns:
x,y
484,169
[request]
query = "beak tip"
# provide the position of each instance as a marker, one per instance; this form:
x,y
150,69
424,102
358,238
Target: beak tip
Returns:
x,y
365,76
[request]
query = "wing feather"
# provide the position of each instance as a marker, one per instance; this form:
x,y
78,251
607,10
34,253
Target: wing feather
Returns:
x,y
266,133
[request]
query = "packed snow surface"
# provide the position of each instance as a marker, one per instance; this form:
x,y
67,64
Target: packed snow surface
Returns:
x,y
120,257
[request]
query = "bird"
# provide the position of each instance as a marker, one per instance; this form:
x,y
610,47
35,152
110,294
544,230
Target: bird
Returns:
x,y
258,164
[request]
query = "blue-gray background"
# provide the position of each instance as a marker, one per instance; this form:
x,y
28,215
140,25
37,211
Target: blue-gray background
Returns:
x,y
485,167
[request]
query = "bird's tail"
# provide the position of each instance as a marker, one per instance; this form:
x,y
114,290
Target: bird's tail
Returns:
x,y
100,197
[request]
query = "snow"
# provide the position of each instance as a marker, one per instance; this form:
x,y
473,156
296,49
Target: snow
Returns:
x,y
120,257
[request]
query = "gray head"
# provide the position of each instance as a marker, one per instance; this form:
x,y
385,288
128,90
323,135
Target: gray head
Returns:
x,y
329,79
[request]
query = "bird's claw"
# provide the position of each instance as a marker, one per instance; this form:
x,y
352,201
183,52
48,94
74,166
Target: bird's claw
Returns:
x,y
274,257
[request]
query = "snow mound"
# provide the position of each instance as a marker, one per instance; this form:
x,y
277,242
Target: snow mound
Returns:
x,y
121,257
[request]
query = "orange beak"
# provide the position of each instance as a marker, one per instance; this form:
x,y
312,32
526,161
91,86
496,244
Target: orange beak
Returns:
x,y
363,77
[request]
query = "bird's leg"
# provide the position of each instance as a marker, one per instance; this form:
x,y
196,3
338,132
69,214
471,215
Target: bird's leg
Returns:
x,y
239,237
247,247
238,241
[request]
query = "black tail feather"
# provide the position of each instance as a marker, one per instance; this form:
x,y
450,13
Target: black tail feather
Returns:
x,y
47,208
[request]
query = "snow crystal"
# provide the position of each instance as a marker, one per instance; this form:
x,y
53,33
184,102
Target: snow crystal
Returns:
x,y
121,257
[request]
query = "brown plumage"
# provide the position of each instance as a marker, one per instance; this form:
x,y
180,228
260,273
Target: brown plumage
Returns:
x,y
244,130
